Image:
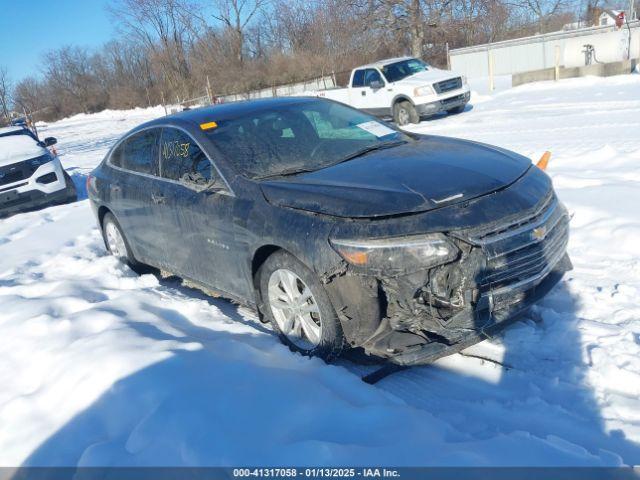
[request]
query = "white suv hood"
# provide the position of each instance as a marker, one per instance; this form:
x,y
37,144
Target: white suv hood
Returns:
x,y
18,148
427,78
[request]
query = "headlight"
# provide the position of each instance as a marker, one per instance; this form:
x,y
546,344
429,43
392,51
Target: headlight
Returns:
x,y
38,161
395,255
423,91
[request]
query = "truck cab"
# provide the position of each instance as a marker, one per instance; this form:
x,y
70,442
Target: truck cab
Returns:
x,y
405,89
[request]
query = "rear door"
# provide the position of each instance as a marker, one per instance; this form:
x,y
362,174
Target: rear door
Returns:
x,y
198,214
135,162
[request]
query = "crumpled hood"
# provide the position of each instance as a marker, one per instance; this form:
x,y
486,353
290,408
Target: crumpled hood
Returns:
x,y
18,148
416,177
430,76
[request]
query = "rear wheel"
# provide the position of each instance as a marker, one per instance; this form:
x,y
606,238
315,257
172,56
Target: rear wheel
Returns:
x,y
298,307
115,240
405,113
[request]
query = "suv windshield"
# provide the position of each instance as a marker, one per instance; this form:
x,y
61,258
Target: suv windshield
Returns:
x,y
400,70
299,137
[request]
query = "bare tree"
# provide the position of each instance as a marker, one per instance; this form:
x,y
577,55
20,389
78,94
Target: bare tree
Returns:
x,y
5,91
167,28
236,15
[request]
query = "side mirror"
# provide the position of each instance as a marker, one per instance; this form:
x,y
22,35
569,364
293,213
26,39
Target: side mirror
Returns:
x,y
50,141
376,84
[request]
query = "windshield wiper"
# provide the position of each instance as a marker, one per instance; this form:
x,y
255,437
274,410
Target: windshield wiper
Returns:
x,y
370,148
284,173
351,156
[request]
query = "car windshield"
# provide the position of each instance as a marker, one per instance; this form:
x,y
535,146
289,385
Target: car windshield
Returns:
x,y
299,137
400,70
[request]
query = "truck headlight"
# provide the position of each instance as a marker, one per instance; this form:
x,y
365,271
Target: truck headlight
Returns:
x,y
423,91
399,254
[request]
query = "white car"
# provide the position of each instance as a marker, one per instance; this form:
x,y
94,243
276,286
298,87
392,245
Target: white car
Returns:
x,y
404,88
30,175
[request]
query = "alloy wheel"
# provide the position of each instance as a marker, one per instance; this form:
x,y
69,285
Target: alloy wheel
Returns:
x,y
295,309
115,241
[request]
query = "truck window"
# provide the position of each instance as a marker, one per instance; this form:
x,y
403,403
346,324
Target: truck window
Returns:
x,y
358,78
372,75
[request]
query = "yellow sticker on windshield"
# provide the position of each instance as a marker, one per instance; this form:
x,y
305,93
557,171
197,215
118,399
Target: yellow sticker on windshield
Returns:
x,y
208,125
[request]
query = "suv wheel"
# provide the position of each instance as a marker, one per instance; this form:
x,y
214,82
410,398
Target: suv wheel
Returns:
x,y
298,307
115,240
404,113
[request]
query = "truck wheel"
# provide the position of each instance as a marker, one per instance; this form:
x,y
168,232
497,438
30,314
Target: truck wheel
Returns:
x,y
298,307
115,240
453,111
405,113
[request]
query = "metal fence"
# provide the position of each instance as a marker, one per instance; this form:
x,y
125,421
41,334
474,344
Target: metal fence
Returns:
x,y
318,83
566,48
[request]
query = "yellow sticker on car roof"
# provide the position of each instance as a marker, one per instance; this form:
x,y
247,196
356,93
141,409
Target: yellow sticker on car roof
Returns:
x,y
208,125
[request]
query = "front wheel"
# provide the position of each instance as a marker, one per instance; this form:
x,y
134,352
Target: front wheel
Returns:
x,y
298,307
405,113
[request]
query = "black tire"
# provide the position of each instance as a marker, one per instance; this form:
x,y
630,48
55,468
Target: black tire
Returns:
x,y
72,192
405,113
456,110
127,257
331,337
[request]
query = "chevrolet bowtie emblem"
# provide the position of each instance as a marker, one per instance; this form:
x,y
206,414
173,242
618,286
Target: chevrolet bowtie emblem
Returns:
x,y
539,233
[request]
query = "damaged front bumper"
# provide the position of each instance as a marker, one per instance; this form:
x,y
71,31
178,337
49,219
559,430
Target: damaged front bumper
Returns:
x,y
503,268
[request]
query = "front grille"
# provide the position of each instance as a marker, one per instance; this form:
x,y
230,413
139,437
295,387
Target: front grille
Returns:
x,y
16,172
456,99
522,252
448,85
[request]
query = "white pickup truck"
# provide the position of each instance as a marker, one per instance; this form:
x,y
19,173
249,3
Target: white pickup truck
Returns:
x,y
403,88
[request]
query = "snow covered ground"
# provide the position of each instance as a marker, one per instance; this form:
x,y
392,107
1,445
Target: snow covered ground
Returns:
x,y
100,366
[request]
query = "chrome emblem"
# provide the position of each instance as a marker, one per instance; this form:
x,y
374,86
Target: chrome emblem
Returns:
x,y
539,233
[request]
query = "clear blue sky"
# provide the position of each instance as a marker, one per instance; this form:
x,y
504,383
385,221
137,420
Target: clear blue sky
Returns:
x,y
29,28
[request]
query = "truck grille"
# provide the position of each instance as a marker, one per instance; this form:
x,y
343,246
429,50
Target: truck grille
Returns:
x,y
16,172
521,253
448,85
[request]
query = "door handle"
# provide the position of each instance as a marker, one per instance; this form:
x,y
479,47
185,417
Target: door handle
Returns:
x,y
158,198
363,93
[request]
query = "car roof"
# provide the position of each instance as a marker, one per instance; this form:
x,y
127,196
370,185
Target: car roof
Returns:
x,y
385,62
226,111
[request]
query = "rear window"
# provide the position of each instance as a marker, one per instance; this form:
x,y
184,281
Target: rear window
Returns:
x,y
182,159
138,153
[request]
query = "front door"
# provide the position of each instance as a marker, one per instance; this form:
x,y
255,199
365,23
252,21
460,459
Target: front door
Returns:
x,y
198,218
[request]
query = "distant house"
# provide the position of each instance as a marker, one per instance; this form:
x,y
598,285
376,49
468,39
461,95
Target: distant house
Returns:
x,y
609,17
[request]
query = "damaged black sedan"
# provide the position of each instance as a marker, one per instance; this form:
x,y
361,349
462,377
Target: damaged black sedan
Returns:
x,y
341,230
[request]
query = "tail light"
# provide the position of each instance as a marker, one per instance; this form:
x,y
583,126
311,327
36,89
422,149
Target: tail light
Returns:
x,y
91,182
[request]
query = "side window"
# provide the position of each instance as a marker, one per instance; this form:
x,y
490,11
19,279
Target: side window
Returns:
x,y
358,79
116,156
372,75
140,152
182,160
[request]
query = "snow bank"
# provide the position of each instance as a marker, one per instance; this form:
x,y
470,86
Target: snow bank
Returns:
x,y
102,366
